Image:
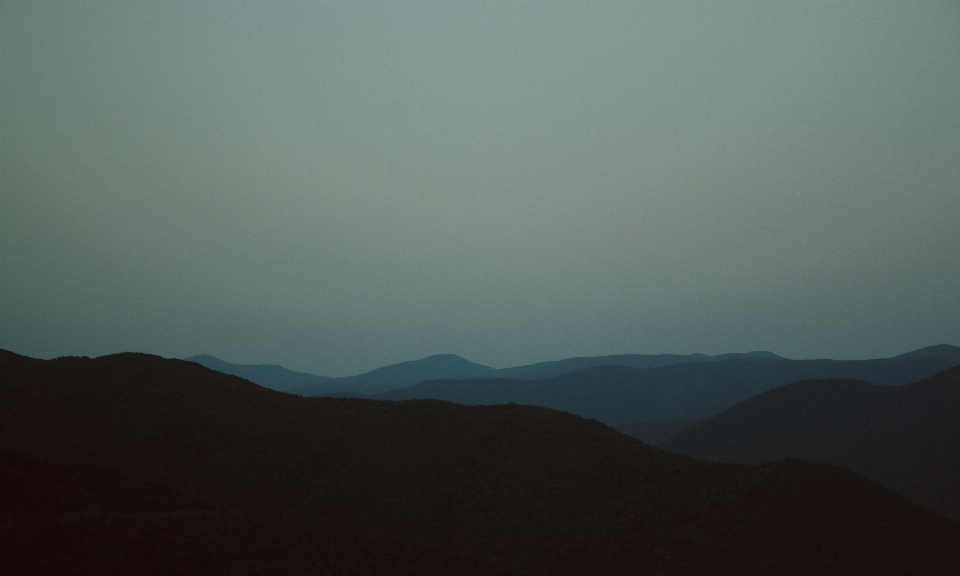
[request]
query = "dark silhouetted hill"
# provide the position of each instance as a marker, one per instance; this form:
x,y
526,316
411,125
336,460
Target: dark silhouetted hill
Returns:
x,y
619,395
905,437
521,487
86,519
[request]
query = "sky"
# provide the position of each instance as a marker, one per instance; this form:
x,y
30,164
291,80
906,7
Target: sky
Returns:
x,y
337,186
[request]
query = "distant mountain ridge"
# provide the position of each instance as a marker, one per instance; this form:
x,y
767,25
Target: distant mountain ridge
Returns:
x,y
905,437
436,367
620,395
439,367
269,376
616,396
553,368
943,351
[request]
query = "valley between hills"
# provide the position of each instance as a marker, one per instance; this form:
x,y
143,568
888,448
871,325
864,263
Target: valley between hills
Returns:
x,y
135,463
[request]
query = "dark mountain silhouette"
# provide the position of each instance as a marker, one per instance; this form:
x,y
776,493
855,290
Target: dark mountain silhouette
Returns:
x,y
618,395
524,488
87,519
905,437
267,375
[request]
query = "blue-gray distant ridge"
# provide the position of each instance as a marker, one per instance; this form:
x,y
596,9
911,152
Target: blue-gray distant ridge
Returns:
x,y
620,395
267,375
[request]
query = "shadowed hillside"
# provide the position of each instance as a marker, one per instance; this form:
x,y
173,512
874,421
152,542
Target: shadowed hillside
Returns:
x,y
905,437
523,487
86,519
618,395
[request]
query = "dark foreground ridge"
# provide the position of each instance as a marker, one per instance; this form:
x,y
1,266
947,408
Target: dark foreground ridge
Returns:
x,y
87,519
523,488
905,437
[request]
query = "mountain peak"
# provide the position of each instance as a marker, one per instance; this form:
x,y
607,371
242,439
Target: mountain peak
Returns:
x,y
435,367
447,359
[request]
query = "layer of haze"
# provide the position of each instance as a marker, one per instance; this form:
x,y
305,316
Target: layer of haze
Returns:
x,y
338,186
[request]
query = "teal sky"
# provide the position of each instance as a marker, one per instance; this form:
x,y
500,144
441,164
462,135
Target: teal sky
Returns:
x,y
338,186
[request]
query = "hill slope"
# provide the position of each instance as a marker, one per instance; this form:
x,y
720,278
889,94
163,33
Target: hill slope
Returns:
x,y
619,395
527,488
905,437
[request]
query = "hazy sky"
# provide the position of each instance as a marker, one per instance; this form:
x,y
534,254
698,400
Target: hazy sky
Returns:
x,y
338,186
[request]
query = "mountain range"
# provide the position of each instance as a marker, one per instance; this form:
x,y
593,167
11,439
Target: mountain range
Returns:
x,y
621,395
520,488
905,437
